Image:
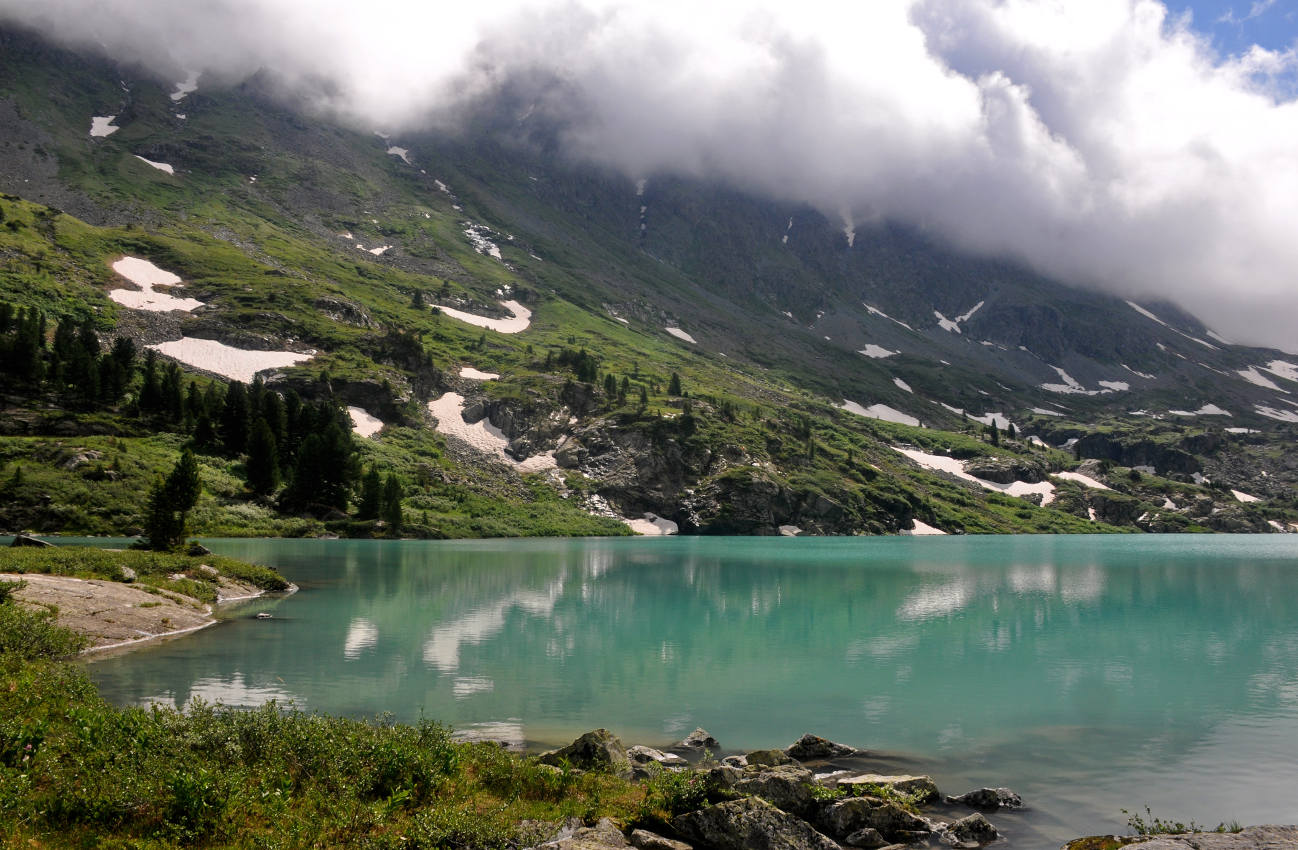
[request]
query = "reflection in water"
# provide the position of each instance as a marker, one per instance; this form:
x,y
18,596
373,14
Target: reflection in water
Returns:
x,y
1089,674
232,690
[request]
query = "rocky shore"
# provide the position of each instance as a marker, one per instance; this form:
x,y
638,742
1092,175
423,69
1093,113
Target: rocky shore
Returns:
x,y
815,795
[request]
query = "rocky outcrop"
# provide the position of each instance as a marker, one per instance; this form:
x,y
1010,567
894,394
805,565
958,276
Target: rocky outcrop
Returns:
x,y
786,786
599,750
920,788
646,840
989,799
767,758
750,824
1249,838
602,835
697,741
974,829
814,748
1005,470
21,540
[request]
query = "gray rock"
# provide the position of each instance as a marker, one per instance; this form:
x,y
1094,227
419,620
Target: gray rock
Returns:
x,y
785,786
750,824
922,788
21,540
810,747
602,835
208,570
989,798
1250,838
974,829
735,761
867,837
857,813
198,550
700,740
128,575
646,840
644,755
724,777
599,750
769,758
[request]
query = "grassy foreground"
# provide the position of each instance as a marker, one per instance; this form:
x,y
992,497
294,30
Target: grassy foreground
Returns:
x,y
78,772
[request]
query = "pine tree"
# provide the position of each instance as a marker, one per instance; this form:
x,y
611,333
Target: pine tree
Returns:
x,y
674,386
644,396
150,390
392,513
234,419
170,502
371,502
262,466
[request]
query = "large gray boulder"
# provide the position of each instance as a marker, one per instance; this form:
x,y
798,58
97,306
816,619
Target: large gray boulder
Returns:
x,y
767,758
812,748
750,823
646,840
854,814
602,836
989,799
698,740
975,830
786,786
599,750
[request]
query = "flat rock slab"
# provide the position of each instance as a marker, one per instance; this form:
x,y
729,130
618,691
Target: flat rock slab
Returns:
x,y
1251,838
923,788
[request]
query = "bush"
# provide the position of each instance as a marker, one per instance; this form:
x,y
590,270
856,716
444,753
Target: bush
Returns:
x,y
28,634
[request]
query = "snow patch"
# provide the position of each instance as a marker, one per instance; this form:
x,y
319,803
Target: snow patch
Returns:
x,y
902,385
997,419
875,311
1281,369
481,435
1148,315
1273,413
879,411
161,166
522,317
1090,512
146,275
1084,480
1206,410
878,352
1069,385
680,334
1242,431
790,531
946,324
652,525
477,235
101,126
639,187
401,153
1220,338
1037,441
186,87
1138,374
1116,386
475,375
921,529
1277,526
380,251
1251,375
1244,497
941,463
967,316
237,364
362,423
1043,412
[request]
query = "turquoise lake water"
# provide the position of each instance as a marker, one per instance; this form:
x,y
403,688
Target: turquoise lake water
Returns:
x,y
1090,674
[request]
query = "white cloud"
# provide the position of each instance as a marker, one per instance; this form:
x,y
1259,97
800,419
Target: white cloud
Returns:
x,y
1104,142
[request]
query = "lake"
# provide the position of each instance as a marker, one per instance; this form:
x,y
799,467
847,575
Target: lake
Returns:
x,y
1090,674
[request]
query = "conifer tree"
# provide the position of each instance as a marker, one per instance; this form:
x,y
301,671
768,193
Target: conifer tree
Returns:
x,y
150,389
234,419
392,513
674,386
371,502
170,503
263,460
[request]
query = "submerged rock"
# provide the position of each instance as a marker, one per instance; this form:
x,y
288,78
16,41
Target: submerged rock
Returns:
x,y
699,740
750,824
811,747
599,750
974,829
989,798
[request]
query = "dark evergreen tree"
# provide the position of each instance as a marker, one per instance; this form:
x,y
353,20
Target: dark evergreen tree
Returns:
x,y
392,513
262,466
371,501
170,503
235,419
173,395
150,387
674,386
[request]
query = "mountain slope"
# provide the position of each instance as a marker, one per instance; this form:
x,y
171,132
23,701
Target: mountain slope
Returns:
x,y
299,235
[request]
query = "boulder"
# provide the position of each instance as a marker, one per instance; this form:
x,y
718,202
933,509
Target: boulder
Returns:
x,y
750,823
197,550
868,838
723,777
128,575
644,755
27,540
599,750
698,740
735,761
602,835
768,758
989,798
812,747
974,829
857,813
208,570
785,786
922,788
646,840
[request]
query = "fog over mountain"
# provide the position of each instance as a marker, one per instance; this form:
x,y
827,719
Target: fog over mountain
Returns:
x,y
1103,142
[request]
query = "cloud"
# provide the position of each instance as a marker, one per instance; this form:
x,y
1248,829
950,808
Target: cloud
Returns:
x,y
1102,142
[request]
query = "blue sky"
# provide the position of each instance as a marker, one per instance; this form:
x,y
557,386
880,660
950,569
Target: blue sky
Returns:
x,y
1235,25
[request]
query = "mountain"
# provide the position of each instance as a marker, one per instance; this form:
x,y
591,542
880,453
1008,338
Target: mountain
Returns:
x,y
663,349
